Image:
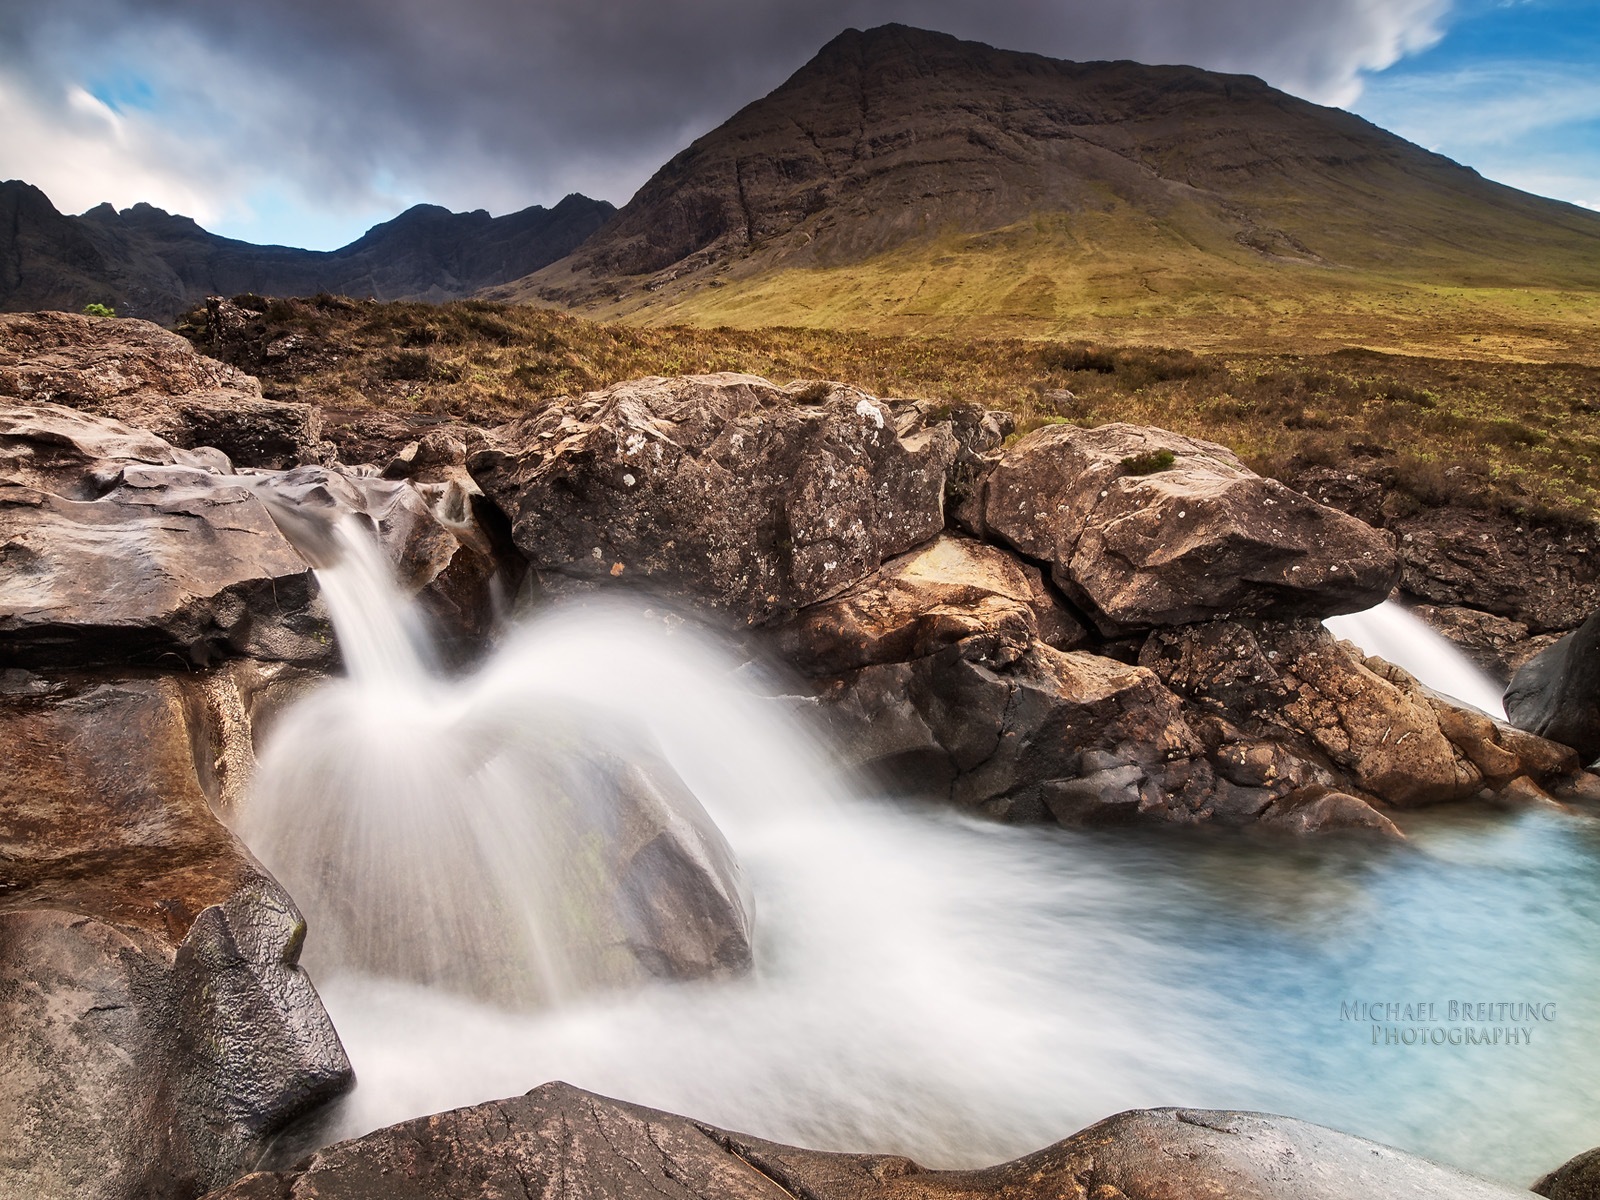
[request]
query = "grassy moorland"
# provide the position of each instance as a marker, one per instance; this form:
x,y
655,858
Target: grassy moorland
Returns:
x,y
1514,435
1121,277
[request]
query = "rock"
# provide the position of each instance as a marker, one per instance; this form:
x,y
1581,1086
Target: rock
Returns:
x,y
566,854
1556,694
155,1029
1576,1179
724,489
1320,810
949,590
1542,574
1069,735
559,1141
142,375
118,547
1546,579
1293,680
1143,527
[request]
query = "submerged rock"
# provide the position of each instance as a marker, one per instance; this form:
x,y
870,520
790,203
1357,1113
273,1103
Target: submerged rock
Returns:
x,y
155,1028
1556,694
1143,527
560,1141
723,489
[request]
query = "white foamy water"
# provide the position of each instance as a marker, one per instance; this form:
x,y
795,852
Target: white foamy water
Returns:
x,y
1390,632
929,984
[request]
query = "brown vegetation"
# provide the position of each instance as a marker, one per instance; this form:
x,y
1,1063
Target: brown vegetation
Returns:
x,y
1521,437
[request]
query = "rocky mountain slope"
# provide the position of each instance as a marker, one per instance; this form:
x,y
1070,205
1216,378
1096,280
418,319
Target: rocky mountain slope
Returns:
x,y
148,263
908,177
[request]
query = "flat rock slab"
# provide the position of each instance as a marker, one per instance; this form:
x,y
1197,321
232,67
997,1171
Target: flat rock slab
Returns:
x,y
117,547
558,1141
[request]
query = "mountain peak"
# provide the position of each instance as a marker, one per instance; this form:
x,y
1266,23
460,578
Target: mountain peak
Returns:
x,y
893,139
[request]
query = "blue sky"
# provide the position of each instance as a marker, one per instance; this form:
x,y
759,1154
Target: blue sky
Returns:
x,y
1513,89
305,123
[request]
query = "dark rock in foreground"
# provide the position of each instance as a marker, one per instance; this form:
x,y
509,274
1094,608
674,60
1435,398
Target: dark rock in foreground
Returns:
x,y
558,1141
155,1029
1556,694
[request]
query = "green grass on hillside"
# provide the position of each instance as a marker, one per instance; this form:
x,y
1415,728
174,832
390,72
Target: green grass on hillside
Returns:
x,y
1120,275
1520,436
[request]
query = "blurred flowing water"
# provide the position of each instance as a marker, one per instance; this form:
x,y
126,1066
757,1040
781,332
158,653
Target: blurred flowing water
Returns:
x,y
964,992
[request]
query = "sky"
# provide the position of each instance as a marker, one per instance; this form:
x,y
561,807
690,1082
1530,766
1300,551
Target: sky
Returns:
x,y
304,122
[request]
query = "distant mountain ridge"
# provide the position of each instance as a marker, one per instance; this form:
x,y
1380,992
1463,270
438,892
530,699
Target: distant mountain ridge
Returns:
x,y
149,263
908,179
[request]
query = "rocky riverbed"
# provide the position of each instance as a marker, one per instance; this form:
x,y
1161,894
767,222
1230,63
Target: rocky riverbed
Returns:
x,y
1079,627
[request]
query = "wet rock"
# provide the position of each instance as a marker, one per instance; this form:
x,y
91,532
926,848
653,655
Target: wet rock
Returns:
x,y
725,489
1322,810
1143,527
118,547
145,376
155,1029
1293,680
1576,1179
1069,735
1556,694
914,605
558,1140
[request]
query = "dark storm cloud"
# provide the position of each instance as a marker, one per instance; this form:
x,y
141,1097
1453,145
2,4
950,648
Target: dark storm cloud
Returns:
x,y
498,104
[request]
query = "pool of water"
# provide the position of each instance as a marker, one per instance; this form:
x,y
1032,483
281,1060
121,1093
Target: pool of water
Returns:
x,y
964,992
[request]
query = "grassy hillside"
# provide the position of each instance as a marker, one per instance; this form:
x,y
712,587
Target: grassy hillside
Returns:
x,y
1518,436
907,182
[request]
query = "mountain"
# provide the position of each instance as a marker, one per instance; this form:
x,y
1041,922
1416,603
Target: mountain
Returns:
x,y
150,263
908,180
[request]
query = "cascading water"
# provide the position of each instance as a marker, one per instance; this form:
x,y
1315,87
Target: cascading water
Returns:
x,y
497,835
922,983
1392,633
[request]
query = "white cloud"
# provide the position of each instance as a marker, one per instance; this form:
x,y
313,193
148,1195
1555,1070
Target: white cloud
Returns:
x,y
1492,105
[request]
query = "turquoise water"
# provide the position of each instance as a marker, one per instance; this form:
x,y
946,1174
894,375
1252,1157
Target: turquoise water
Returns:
x,y
966,992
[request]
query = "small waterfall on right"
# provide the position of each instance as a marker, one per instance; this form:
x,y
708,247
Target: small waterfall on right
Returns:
x,y
1390,632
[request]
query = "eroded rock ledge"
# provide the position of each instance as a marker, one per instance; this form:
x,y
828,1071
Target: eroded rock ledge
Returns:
x,y
560,1141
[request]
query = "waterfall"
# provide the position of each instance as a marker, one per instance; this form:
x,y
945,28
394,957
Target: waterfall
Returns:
x,y
515,835
1390,632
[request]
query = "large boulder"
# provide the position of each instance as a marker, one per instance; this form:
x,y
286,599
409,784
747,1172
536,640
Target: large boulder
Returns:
x,y
559,1141
1556,694
951,589
723,489
141,374
120,547
155,1029
1143,528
